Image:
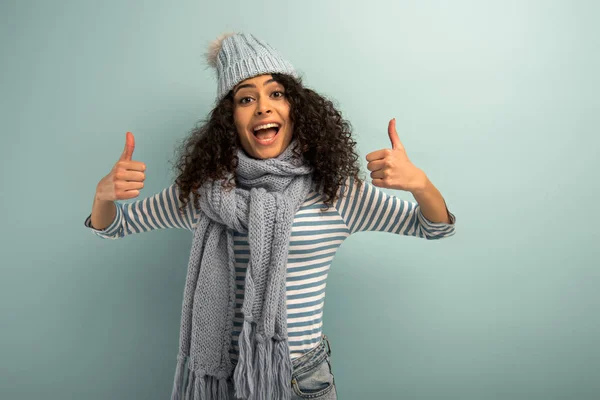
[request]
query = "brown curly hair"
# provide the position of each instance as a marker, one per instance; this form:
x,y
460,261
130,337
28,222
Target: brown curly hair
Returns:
x,y
325,138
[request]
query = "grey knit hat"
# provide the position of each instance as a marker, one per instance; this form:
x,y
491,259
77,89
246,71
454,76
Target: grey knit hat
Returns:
x,y
239,56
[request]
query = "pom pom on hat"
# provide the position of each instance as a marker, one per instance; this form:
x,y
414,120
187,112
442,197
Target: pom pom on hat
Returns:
x,y
215,47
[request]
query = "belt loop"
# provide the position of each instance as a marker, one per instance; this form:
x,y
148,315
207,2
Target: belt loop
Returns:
x,y
328,344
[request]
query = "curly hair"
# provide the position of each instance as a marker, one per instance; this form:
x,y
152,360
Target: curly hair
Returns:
x,y
325,139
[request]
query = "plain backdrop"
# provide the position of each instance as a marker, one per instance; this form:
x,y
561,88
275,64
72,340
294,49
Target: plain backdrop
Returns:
x,y
497,101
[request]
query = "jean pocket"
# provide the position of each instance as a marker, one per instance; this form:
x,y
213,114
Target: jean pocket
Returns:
x,y
315,381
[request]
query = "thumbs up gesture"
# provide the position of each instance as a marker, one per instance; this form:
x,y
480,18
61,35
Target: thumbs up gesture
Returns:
x,y
391,168
126,177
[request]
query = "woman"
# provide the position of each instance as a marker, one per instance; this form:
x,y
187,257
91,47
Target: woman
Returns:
x,y
270,187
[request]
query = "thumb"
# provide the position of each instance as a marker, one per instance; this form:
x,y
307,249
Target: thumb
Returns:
x,y
394,138
129,146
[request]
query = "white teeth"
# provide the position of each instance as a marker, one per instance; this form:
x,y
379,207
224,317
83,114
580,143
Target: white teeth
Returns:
x,y
265,126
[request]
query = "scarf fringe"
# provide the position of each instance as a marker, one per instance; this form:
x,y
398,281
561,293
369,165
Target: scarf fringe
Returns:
x,y
190,386
199,389
205,387
243,376
268,366
263,369
282,359
178,384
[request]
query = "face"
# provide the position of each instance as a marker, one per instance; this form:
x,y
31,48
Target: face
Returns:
x,y
262,116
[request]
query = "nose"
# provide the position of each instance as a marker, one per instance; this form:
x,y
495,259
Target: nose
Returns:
x,y
263,107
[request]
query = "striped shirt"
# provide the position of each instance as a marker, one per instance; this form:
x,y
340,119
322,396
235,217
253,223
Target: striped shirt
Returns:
x,y
315,237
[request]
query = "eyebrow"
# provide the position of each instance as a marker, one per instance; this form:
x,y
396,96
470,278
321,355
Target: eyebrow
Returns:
x,y
250,85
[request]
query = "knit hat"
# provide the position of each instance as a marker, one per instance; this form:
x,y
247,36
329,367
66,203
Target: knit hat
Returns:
x,y
239,56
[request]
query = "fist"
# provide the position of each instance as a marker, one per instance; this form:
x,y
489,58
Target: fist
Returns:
x,y
126,178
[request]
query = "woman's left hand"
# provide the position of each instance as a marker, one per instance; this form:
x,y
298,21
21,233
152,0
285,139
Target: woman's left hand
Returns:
x,y
391,168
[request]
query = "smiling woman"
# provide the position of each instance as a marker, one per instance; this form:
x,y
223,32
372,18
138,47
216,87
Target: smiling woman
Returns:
x,y
252,315
262,116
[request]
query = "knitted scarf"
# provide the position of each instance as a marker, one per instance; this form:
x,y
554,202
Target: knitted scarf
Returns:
x,y
263,204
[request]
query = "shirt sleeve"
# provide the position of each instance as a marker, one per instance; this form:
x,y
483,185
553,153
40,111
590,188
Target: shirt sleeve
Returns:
x,y
156,212
370,209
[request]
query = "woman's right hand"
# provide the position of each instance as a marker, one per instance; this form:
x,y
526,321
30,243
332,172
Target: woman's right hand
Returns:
x,y
126,177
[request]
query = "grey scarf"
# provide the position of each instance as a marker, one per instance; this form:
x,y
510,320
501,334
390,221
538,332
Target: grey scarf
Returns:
x,y
263,204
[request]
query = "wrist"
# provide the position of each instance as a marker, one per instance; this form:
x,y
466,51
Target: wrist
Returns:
x,y
423,187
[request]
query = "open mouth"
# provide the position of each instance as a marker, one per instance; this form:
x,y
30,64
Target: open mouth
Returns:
x,y
267,133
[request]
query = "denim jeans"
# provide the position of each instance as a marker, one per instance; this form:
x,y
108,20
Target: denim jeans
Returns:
x,y
312,377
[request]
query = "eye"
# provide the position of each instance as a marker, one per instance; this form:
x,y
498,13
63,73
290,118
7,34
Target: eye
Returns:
x,y
245,100
278,93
